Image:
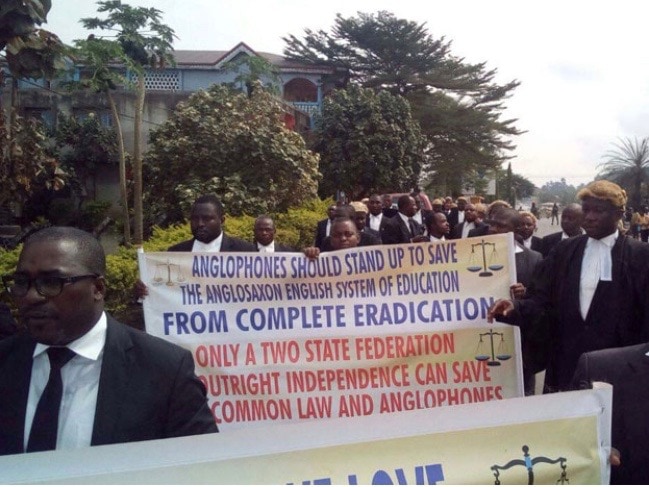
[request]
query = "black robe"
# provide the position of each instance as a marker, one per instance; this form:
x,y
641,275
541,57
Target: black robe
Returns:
x,y
618,315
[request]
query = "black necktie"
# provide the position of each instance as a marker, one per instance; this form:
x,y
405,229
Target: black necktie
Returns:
x,y
413,228
46,419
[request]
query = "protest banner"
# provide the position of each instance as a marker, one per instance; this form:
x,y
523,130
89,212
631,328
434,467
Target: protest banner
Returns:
x,y
554,438
279,337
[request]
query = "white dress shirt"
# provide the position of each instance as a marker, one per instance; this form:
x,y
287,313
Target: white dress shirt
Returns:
x,y
375,221
80,377
466,228
213,246
528,242
266,248
596,265
460,216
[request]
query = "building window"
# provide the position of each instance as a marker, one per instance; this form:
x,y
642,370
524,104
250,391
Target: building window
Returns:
x,y
300,90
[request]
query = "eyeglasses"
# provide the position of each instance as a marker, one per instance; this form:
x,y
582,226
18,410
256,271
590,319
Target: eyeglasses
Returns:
x,y
48,286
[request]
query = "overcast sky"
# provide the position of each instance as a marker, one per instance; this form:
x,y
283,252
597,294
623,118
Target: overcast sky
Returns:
x,y
583,65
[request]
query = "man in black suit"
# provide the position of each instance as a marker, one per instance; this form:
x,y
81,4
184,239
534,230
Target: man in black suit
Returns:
x,y
387,210
7,322
571,218
470,223
505,220
437,228
526,230
323,228
264,231
491,208
116,384
422,213
347,212
402,228
360,218
456,215
375,218
592,287
627,370
206,220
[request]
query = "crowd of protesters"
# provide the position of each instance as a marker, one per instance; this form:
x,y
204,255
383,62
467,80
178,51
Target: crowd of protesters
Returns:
x,y
580,290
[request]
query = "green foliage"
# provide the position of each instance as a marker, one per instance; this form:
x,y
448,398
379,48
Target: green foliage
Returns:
x,y
85,146
144,39
93,213
458,105
9,259
121,274
368,142
30,52
232,145
627,164
25,163
296,228
253,71
558,191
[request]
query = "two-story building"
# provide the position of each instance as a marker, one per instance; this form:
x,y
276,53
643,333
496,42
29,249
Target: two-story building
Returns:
x,y
301,89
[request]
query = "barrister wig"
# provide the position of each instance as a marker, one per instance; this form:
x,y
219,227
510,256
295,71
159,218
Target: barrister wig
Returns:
x,y
604,190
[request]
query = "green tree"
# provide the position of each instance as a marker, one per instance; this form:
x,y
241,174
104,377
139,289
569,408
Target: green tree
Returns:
x,y
26,164
558,191
252,71
458,105
147,42
628,165
98,56
85,146
225,142
512,186
30,52
368,142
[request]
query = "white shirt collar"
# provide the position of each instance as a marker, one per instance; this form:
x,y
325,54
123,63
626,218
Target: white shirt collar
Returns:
x,y
528,242
404,218
564,235
266,248
602,248
89,345
213,246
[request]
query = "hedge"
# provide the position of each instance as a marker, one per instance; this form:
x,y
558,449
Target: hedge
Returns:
x,y
295,228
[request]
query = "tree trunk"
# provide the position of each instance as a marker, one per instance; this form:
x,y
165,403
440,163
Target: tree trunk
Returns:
x,y
122,170
138,236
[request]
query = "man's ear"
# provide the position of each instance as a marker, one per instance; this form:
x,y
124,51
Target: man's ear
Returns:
x,y
100,288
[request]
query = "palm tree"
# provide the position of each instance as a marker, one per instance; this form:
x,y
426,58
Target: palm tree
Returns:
x,y
628,165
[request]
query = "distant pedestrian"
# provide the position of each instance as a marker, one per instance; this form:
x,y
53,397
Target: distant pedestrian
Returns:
x,y
555,214
534,210
640,224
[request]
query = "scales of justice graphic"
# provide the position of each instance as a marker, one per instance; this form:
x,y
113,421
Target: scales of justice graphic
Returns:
x,y
169,274
486,266
494,355
528,462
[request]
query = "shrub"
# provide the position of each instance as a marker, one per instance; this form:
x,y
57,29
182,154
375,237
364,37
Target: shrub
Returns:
x,y
295,228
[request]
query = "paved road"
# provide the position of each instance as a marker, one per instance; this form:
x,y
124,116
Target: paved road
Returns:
x,y
544,228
